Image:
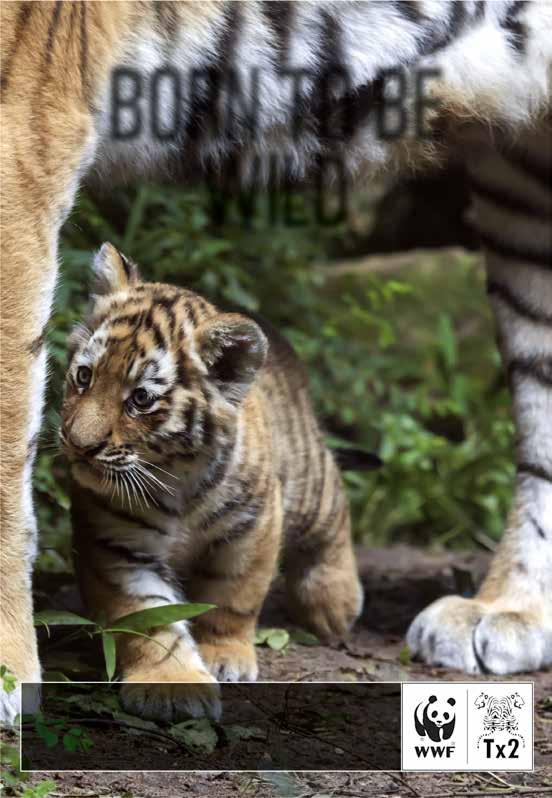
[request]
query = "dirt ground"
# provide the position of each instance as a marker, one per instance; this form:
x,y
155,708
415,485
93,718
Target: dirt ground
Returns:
x,y
399,582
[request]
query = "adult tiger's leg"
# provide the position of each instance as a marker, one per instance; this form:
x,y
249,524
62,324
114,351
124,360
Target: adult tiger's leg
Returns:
x,y
28,277
36,197
507,627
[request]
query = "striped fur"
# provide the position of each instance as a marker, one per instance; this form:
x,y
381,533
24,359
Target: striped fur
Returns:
x,y
494,61
201,485
508,626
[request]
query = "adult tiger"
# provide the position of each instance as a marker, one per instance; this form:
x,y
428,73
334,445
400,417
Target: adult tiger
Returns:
x,y
493,62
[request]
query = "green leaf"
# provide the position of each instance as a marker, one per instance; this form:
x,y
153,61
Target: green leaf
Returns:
x,y
9,682
97,703
41,790
405,657
136,723
70,742
60,618
286,784
55,676
199,734
160,616
236,732
50,738
447,341
304,638
110,654
277,639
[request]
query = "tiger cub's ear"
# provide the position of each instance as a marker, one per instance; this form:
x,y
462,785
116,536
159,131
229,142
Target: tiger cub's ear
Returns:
x,y
233,348
113,270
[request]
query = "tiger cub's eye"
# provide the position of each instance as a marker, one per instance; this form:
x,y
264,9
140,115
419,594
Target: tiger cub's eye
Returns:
x,y
142,399
84,376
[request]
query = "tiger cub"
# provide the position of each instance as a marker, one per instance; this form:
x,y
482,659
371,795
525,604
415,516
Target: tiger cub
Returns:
x,y
196,461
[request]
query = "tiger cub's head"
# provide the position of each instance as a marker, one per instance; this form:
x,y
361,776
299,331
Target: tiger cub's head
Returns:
x,y
156,375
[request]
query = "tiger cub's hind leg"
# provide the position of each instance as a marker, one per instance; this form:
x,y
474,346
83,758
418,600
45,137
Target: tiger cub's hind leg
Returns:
x,y
324,591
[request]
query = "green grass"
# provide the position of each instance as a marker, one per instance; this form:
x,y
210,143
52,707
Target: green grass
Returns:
x,y
403,364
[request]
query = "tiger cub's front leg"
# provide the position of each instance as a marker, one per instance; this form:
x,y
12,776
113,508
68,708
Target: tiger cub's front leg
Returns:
x,y
235,575
121,574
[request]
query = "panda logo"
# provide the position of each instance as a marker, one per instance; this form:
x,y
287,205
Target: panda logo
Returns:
x,y
436,718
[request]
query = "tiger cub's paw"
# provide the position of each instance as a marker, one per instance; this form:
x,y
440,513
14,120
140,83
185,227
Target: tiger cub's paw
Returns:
x,y
327,600
193,693
230,660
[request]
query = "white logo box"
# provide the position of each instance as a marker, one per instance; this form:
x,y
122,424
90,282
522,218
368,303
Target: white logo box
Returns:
x,y
467,726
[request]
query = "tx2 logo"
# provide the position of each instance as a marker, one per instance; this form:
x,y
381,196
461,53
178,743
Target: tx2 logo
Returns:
x,y
500,717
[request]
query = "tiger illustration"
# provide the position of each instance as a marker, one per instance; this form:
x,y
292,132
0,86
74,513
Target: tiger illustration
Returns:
x,y
499,715
131,89
194,451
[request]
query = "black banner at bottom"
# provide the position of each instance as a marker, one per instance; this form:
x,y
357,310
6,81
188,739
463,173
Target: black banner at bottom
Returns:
x,y
263,726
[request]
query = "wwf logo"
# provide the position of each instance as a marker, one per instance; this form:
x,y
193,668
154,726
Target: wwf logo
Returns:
x,y
500,715
435,718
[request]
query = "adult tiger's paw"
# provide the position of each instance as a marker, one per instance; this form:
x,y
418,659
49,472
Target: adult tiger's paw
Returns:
x,y
9,705
197,697
475,637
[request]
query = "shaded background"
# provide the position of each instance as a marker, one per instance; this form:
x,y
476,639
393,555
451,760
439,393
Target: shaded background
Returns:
x,y
387,310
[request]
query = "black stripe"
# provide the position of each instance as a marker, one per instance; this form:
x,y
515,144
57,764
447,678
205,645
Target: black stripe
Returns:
x,y
127,554
539,369
481,665
202,116
203,572
23,17
161,507
503,198
455,24
132,319
31,448
181,375
36,345
189,419
538,527
538,171
279,14
214,476
225,509
191,313
83,62
517,303
124,516
534,470
151,325
319,486
167,304
457,19
235,534
542,260
207,429
51,36
127,266
168,22
479,10
517,32
410,9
